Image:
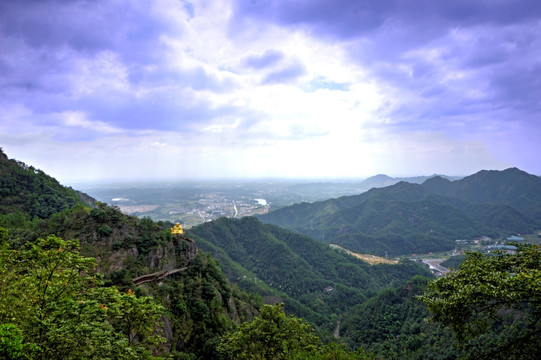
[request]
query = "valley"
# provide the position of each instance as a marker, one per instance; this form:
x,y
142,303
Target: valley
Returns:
x,y
352,267
194,202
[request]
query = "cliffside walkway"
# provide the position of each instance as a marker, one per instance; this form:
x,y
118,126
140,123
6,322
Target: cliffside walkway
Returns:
x,y
164,273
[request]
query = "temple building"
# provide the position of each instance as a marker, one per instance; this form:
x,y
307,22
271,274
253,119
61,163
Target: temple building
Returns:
x,y
177,229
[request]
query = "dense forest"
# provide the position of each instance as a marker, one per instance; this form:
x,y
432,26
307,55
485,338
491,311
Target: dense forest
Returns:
x,y
196,306
314,281
241,289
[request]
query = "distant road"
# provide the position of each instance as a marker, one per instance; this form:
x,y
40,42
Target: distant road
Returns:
x,y
435,266
236,211
201,215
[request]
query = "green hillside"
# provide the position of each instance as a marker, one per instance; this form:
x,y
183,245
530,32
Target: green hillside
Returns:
x,y
199,304
185,304
25,189
512,187
492,186
410,218
393,325
315,281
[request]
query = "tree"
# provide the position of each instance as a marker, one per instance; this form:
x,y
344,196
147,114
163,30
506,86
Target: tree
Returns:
x,y
331,351
272,335
492,303
51,293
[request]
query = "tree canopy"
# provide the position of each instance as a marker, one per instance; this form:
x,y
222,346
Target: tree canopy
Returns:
x,y
52,306
492,303
275,336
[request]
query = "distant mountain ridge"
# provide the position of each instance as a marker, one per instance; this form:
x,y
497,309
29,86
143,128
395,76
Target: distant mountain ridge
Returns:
x,y
382,180
512,186
406,218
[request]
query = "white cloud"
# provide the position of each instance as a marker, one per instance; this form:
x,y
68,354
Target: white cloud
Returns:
x,y
79,120
187,103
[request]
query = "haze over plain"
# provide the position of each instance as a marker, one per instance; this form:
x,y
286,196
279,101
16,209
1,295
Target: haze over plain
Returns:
x,y
252,88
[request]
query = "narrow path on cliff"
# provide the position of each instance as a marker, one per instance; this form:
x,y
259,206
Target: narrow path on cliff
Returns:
x,y
164,273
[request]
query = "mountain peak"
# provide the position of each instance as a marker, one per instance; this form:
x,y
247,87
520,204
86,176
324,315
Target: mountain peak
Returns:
x,y
490,186
437,179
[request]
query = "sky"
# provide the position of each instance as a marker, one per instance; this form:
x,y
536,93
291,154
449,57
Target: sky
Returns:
x,y
174,89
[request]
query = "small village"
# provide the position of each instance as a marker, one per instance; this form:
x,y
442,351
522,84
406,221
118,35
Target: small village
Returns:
x,y
483,244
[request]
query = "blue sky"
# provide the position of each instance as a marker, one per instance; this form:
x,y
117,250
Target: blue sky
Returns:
x,y
127,89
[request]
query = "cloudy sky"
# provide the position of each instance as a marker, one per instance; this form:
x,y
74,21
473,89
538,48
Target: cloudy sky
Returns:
x,y
130,89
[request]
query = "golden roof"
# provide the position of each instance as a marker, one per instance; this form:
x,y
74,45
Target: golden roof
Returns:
x,y
177,229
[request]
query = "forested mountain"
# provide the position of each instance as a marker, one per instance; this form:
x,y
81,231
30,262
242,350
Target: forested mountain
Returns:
x,y
393,325
40,217
159,280
200,304
511,187
410,218
25,189
315,281
79,281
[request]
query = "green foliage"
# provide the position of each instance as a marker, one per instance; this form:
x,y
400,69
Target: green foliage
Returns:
x,y
107,224
314,281
3,236
392,326
200,303
104,230
453,262
50,292
331,351
272,335
492,303
26,189
202,306
11,342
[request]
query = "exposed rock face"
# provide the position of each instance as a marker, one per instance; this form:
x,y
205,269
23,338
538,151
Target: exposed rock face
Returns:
x,y
159,258
167,332
155,257
133,252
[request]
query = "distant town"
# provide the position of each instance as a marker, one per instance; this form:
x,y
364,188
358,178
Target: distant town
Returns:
x,y
190,213
192,204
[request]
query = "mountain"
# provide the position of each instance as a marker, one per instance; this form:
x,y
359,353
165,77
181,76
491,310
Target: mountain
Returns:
x,y
313,280
512,187
382,180
137,256
25,189
202,302
407,218
217,275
